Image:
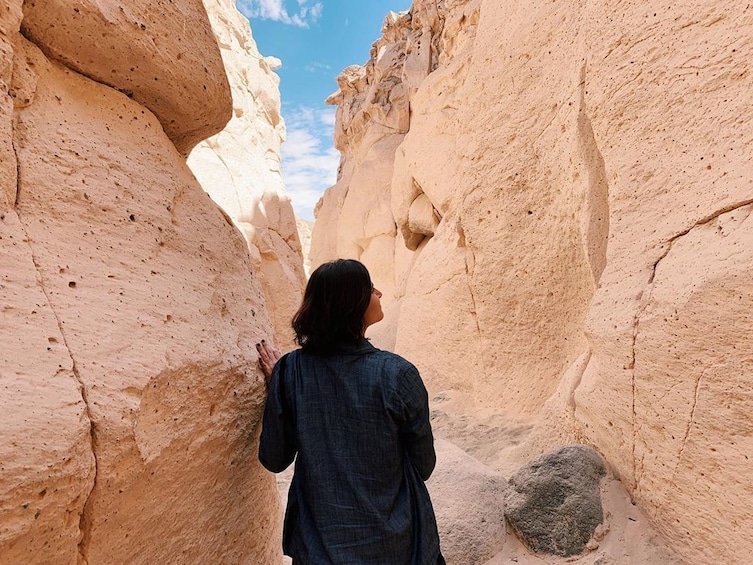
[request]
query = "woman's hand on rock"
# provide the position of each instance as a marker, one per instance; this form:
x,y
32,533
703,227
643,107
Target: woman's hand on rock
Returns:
x,y
268,356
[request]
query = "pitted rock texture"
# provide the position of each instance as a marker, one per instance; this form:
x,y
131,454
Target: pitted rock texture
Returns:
x,y
553,503
584,267
240,168
130,399
160,53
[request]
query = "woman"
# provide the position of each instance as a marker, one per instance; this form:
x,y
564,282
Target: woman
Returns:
x,y
356,421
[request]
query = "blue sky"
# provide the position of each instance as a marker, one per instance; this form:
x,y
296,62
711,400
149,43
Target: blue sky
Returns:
x,y
315,39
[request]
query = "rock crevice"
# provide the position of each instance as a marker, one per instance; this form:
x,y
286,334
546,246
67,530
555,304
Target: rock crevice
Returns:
x,y
83,522
691,420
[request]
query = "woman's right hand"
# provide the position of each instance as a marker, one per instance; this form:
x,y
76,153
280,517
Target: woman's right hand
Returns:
x,y
268,356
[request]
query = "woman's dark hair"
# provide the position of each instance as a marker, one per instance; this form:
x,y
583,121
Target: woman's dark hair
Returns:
x,y
336,298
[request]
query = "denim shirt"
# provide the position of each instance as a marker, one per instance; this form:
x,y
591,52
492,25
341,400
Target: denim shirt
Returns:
x,y
357,424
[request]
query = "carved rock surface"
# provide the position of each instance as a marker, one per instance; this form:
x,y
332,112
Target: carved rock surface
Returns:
x,y
589,170
554,503
130,398
240,167
159,52
468,500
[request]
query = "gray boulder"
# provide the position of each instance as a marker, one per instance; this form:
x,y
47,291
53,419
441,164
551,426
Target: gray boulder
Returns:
x,y
553,503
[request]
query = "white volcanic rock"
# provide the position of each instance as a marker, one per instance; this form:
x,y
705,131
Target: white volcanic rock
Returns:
x,y
159,52
10,20
304,235
666,393
588,273
130,398
240,167
468,500
46,459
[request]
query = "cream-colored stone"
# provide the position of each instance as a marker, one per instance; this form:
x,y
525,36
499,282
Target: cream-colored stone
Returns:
x,y
160,53
144,293
304,235
240,168
652,316
361,200
589,167
47,458
403,193
422,218
689,415
438,327
10,23
468,500
350,121
366,211
324,241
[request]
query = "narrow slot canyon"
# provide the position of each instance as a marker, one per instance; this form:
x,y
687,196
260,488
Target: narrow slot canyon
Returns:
x,y
554,201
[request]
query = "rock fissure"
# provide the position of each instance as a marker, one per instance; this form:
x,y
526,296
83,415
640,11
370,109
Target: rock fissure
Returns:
x,y
549,123
636,321
691,420
627,82
392,130
469,279
645,299
83,525
556,112
707,219
16,200
443,283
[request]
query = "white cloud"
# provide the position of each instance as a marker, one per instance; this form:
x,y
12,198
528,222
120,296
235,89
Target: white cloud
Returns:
x,y
276,10
309,159
327,118
313,12
317,66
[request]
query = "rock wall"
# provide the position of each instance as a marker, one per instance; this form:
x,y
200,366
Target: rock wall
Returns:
x,y
130,400
556,199
240,167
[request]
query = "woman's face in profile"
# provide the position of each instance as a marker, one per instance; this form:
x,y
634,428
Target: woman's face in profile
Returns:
x,y
374,311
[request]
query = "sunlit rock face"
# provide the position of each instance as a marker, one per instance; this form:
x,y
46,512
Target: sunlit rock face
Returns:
x,y
162,54
129,395
304,234
240,167
557,197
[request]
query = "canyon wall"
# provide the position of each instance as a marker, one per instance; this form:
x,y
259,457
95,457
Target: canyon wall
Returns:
x,y
556,201
240,167
130,399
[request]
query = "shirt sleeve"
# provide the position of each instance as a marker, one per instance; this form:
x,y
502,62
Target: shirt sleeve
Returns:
x,y
277,446
415,429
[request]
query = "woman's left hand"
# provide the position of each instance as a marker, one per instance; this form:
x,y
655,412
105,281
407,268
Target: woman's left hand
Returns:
x,y
268,356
